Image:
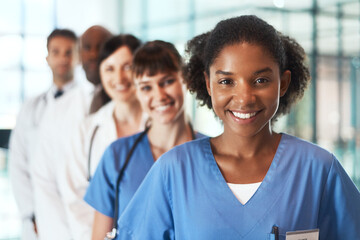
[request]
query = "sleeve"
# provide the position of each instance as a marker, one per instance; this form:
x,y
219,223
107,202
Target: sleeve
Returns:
x,y
79,214
19,165
339,216
101,192
149,213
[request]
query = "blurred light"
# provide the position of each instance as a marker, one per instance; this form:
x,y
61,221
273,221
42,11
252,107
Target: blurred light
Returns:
x,y
279,3
356,62
334,118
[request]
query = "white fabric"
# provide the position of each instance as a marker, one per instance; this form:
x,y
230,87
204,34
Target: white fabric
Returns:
x,y
49,123
80,215
22,143
243,192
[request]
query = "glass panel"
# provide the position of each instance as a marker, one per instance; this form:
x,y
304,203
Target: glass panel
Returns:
x,y
9,216
10,16
327,35
10,98
161,12
132,13
11,51
39,16
173,33
351,36
35,53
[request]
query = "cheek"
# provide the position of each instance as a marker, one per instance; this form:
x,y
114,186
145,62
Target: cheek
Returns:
x,y
128,75
105,79
143,99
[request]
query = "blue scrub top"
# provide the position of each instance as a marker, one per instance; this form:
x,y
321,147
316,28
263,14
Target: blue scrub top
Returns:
x,y
101,191
185,196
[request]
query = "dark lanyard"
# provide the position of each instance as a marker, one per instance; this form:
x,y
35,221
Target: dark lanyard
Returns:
x,y
112,234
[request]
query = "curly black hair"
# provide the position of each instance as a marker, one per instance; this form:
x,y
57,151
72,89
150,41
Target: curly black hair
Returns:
x,y
203,49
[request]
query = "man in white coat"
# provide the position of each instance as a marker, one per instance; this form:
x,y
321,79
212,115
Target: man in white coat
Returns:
x,y
40,139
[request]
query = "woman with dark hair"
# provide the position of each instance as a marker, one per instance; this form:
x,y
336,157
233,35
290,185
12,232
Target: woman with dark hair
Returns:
x,y
119,118
159,84
249,182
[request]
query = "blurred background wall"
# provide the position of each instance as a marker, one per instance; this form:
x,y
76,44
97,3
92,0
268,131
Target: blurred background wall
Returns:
x,y
329,31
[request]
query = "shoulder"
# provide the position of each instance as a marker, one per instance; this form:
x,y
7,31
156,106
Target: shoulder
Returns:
x,y
31,104
102,115
124,144
199,135
305,151
189,153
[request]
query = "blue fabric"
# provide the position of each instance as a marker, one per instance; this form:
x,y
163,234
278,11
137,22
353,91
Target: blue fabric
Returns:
x,y
101,191
184,196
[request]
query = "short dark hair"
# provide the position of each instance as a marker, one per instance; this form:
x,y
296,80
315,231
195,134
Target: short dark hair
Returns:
x,y
115,42
203,50
156,57
67,33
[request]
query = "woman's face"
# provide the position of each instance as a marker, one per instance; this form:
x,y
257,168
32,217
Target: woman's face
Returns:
x,y
115,73
245,87
161,96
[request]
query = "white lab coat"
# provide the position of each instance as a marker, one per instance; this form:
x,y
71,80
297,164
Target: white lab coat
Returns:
x,y
50,122
80,214
78,169
22,144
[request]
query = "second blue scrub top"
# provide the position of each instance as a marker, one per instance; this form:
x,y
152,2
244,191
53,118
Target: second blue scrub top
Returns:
x,y
101,191
184,196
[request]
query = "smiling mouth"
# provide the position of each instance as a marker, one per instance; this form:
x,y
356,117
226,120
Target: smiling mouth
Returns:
x,y
244,115
121,87
164,107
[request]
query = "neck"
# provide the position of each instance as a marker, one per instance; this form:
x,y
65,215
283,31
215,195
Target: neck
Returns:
x,y
163,137
246,147
127,117
61,82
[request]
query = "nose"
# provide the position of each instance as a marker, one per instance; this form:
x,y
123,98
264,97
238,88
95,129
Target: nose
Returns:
x,y
122,77
93,53
244,94
159,93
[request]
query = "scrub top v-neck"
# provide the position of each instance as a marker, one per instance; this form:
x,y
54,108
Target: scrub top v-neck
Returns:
x,y
185,196
101,191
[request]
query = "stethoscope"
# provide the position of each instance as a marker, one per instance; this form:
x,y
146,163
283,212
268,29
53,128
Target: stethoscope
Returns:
x,y
40,110
89,152
112,234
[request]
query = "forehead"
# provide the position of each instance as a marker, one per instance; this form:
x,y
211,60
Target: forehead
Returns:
x,y
122,54
61,42
94,36
146,78
243,55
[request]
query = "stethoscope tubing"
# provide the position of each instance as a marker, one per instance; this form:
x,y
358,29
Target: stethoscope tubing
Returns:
x,y
112,234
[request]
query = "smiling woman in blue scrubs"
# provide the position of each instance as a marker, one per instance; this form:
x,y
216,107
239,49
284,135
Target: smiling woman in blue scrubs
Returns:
x,y
157,72
249,181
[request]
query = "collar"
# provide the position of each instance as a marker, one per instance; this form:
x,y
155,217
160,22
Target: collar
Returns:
x,y
65,88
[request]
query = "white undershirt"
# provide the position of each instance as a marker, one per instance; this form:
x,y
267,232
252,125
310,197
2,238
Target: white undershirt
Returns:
x,y
243,192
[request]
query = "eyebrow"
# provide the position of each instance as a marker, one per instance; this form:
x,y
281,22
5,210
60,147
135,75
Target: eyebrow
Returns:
x,y
162,79
267,69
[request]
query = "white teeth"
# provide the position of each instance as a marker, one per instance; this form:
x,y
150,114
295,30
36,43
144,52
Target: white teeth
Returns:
x,y
162,107
120,87
244,115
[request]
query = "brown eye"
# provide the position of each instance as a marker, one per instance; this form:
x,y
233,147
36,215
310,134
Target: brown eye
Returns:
x,y
261,80
225,81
